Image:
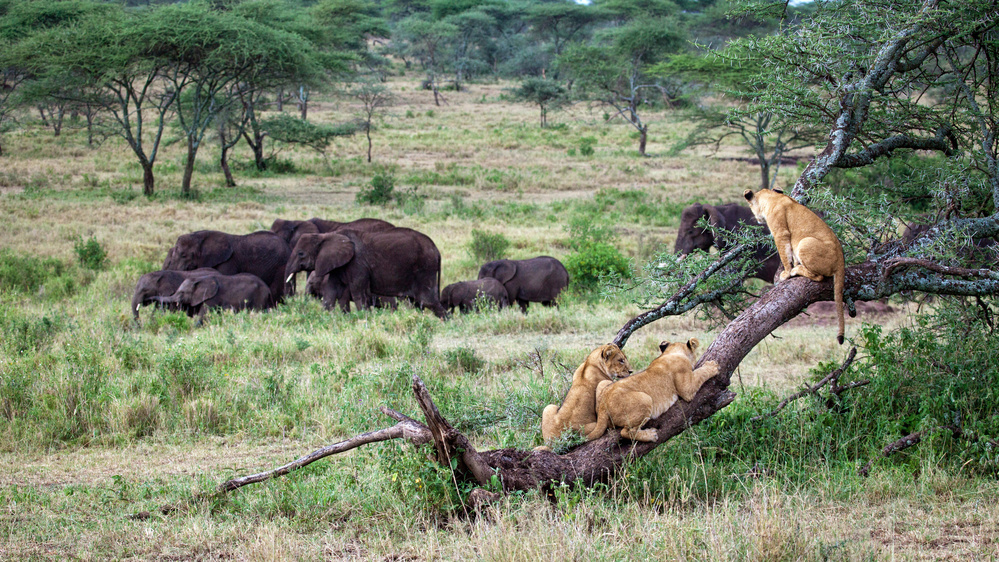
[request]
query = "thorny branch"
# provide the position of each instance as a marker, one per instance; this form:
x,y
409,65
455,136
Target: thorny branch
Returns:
x,y
832,378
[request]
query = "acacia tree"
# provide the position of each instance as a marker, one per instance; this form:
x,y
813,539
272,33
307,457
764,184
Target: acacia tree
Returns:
x,y
427,39
374,99
111,64
546,94
731,76
614,71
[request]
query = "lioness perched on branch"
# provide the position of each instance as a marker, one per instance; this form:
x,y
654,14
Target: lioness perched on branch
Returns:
x,y
579,408
805,243
630,402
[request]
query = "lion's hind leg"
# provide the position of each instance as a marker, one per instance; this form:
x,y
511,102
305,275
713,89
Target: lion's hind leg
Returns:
x,y
812,250
632,415
549,423
635,434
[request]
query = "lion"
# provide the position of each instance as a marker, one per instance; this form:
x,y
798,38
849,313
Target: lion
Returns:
x,y
579,407
805,243
630,402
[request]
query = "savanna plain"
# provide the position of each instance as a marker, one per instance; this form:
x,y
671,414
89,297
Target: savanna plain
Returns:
x,y
102,418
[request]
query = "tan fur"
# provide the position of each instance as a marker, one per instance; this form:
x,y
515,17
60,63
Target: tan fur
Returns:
x,y
630,402
805,243
579,406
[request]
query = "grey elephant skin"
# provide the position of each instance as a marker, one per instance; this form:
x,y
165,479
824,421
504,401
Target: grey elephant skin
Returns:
x,y
291,230
261,253
539,279
330,295
401,262
726,217
162,283
233,292
465,294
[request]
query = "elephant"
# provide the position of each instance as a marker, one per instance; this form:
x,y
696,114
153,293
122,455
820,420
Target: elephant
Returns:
x,y
539,279
290,231
725,217
261,253
464,294
241,291
330,295
162,283
364,265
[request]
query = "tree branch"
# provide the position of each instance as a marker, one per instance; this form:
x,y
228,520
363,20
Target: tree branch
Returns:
x,y
833,376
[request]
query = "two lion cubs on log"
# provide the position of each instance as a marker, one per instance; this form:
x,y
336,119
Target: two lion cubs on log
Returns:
x,y
596,403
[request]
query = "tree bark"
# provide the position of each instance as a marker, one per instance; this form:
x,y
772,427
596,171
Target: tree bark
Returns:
x,y
147,179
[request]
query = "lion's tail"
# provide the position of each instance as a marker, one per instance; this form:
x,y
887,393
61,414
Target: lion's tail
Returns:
x,y
603,420
838,282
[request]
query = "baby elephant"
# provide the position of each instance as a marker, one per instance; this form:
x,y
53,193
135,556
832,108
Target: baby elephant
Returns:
x,y
162,283
235,292
464,294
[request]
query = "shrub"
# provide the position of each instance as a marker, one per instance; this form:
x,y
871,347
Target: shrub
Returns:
x,y
380,192
593,254
593,261
27,273
487,247
586,145
90,254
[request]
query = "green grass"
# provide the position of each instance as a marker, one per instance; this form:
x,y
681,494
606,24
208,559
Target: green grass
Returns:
x,y
101,418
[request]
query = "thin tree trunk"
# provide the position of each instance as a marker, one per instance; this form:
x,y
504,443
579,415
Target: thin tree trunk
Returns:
x,y
185,185
643,136
147,179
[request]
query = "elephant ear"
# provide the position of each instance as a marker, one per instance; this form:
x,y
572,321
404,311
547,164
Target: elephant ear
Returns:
x,y
335,252
715,218
304,227
216,249
204,289
505,271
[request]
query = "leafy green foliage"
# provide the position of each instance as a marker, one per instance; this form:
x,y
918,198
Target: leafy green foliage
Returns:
x,y
90,253
27,273
593,256
381,191
488,247
317,136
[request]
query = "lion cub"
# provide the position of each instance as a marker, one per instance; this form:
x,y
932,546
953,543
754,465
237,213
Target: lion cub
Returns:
x,y
631,402
805,243
579,406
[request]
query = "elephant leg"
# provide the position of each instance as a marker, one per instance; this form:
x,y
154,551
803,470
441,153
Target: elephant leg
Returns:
x,y
523,305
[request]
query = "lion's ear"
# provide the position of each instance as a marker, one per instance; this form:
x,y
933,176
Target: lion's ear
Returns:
x,y
781,191
693,343
663,345
748,194
609,351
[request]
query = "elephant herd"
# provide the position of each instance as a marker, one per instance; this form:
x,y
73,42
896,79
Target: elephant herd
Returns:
x,y
368,262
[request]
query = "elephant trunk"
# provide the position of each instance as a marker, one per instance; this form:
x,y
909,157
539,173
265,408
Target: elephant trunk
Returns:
x,y
293,267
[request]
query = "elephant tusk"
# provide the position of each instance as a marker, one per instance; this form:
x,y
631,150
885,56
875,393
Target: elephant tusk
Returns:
x,y
288,280
137,307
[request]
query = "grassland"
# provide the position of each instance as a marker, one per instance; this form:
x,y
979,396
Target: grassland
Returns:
x,y
100,418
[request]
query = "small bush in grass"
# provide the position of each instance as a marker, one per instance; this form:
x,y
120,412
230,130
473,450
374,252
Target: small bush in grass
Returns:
x,y
27,273
586,145
90,254
380,191
487,247
593,255
463,360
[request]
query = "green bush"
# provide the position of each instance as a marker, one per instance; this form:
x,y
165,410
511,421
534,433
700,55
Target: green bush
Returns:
x,y
27,273
380,192
488,247
90,254
586,145
593,261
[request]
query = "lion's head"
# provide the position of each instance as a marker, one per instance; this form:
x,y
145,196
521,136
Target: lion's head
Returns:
x,y
613,361
688,349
